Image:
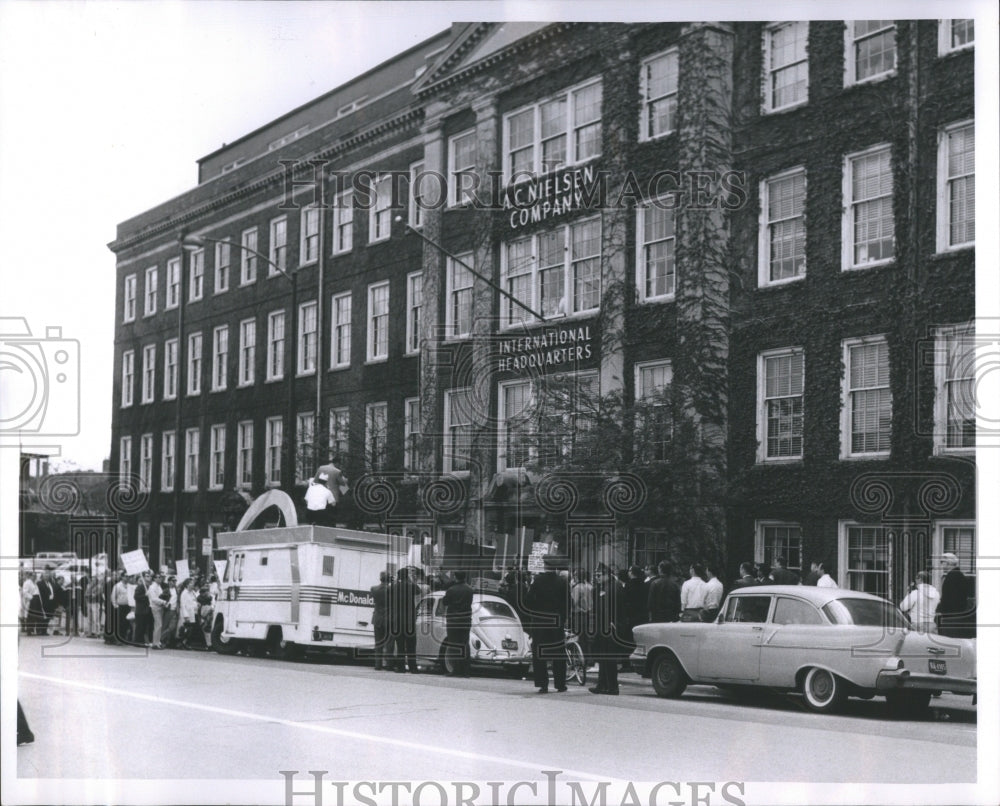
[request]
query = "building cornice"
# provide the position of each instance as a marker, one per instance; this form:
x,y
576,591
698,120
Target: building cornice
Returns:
x,y
177,222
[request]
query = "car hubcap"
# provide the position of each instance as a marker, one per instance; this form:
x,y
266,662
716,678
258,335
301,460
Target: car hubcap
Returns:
x,y
821,687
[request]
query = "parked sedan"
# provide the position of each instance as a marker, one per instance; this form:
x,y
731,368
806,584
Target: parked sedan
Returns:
x,y
827,643
496,640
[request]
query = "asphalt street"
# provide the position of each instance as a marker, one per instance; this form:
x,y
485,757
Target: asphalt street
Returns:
x,y
117,713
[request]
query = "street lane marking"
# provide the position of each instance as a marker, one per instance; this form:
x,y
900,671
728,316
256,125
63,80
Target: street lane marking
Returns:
x,y
535,766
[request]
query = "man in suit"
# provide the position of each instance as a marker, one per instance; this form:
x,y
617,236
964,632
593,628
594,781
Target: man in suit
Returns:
x,y
955,618
380,619
49,593
781,575
403,596
747,579
458,619
546,607
664,602
608,645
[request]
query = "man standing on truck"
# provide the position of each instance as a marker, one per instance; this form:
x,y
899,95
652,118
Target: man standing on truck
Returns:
x,y
403,621
319,499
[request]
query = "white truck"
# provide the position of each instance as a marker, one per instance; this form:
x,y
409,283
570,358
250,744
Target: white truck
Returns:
x,y
289,589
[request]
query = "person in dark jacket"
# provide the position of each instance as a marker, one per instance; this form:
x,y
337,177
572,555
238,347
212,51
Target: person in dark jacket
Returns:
x,y
49,594
747,579
954,616
664,601
634,601
403,596
143,635
546,608
607,646
380,619
781,575
457,602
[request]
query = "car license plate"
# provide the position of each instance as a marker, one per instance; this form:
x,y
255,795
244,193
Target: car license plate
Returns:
x,y
938,666
508,643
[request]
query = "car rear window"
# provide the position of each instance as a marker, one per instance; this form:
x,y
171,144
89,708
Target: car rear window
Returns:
x,y
864,613
488,609
795,611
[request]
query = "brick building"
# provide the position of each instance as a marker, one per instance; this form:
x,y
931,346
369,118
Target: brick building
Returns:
x,y
737,273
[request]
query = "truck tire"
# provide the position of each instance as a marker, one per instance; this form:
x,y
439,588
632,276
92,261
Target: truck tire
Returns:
x,y
280,649
222,644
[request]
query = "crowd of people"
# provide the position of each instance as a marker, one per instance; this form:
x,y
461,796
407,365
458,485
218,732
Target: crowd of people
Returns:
x,y
149,610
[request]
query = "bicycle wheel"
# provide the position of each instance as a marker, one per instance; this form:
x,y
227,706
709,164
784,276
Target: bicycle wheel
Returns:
x,y
576,666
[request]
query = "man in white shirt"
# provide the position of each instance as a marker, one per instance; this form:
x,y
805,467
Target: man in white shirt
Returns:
x,y
825,580
713,595
318,499
921,604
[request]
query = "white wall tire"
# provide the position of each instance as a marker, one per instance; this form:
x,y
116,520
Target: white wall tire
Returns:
x,y
823,691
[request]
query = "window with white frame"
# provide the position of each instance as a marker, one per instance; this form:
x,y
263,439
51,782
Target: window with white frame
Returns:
x,y
196,278
309,235
340,419
954,400
871,50
555,272
866,427
777,539
305,435
194,364
173,294
955,35
550,422
170,369
217,457
192,447
143,537
380,212
780,385
457,430
376,435
340,352
786,65
343,223
278,246
562,130
414,304
151,282
248,256
124,460
378,322
869,227
956,187
191,542
782,246
167,471
275,345
411,433
128,311
658,90
958,538
248,351
128,377
418,201
458,315
148,373
146,462
866,559
273,428
220,357
244,454
461,167
656,273
654,424
222,255
166,544
308,325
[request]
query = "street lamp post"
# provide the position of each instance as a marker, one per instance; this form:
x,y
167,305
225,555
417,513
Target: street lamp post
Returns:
x,y
193,242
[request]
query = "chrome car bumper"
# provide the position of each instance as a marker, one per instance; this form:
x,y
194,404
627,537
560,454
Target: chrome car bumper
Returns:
x,y
904,679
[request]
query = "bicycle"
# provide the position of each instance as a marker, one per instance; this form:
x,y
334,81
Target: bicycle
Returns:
x,y
576,664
